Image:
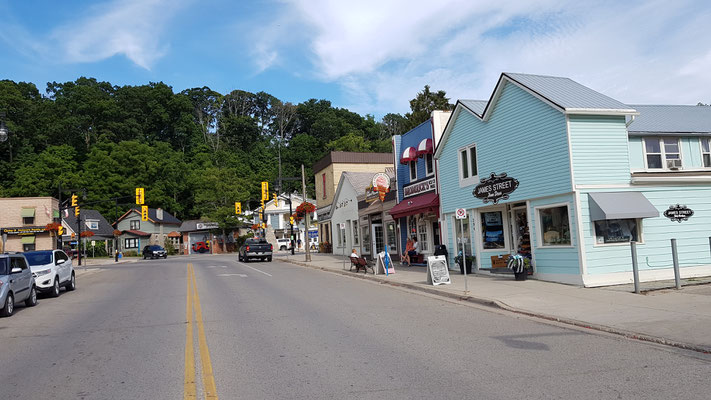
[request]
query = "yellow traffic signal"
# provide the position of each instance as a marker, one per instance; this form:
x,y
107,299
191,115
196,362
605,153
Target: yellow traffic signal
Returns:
x,y
144,213
76,211
74,200
276,200
238,207
264,225
140,196
265,190
60,230
291,220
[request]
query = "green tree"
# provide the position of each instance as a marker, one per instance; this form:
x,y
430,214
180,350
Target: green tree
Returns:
x,y
40,175
424,103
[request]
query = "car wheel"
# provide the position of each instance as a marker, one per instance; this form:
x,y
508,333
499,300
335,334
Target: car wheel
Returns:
x,y
32,300
246,259
9,306
72,284
269,259
282,248
55,288
144,257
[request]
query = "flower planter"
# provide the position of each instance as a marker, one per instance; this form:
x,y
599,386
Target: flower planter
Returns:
x,y
520,276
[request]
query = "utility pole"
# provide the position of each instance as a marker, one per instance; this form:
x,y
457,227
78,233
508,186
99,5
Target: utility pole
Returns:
x,y
306,216
291,226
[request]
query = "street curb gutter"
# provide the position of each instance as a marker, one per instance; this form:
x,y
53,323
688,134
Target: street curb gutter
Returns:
x,y
503,306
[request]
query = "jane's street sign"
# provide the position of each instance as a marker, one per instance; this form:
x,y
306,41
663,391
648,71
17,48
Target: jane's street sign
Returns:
x,y
495,188
678,213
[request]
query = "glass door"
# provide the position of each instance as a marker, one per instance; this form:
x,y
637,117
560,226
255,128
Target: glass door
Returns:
x,y
378,238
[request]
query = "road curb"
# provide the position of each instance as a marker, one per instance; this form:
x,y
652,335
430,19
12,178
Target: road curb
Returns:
x,y
503,306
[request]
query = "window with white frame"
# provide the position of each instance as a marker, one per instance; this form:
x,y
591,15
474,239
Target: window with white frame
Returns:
x,y
468,166
366,238
130,244
342,234
662,153
492,230
93,225
554,226
135,224
356,240
429,165
612,231
413,171
391,237
706,152
422,234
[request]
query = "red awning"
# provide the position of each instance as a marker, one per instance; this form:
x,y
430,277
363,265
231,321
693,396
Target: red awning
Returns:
x,y
410,154
424,203
136,233
425,147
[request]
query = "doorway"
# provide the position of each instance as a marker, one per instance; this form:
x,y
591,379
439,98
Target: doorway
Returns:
x,y
520,231
378,238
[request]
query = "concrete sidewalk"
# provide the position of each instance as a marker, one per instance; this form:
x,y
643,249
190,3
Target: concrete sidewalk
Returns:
x,y
680,318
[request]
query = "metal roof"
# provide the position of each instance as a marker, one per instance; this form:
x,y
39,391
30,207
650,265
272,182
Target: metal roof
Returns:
x,y
359,180
477,106
568,94
671,119
349,157
104,228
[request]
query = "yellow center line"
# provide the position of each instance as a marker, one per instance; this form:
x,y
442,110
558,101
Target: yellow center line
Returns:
x,y
189,391
208,379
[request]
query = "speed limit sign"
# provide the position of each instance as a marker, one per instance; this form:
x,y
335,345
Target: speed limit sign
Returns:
x,y
461,213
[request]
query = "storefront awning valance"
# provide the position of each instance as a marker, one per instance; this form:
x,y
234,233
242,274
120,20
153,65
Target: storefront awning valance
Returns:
x,y
135,232
620,205
428,202
425,147
410,154
27,240
27,212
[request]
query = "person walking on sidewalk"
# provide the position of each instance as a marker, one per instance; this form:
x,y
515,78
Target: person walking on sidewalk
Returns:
x,y
409,246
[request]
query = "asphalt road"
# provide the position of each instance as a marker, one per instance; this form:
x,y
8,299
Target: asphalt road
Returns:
x,y
211,327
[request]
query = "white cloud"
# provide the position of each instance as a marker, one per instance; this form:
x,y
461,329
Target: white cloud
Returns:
x,y
131,28
383,52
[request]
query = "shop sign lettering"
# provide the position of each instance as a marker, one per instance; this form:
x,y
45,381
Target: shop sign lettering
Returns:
x,y
23,231
207,225
495,188
678,213
343,203
419,187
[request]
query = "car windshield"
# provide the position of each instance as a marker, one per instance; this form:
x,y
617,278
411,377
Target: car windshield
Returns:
x,y
156,248
3,266
39,257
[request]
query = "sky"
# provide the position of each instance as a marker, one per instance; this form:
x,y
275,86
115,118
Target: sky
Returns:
x,y
369,56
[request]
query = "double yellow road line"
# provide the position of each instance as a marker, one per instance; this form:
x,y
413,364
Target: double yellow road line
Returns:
x,y
208,379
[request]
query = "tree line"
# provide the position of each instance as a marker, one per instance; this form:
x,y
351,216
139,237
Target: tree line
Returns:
x,y
195,152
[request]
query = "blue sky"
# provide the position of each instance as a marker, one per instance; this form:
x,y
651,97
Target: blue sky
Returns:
x,y
368,56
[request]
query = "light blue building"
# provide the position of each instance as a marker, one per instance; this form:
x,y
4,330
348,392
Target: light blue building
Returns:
x,y
557,171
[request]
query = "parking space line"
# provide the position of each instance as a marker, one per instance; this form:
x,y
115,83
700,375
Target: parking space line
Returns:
x,y
245,265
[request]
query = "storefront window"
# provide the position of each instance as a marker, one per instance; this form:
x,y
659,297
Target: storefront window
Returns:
x,y
616,231
391,237
492,230
366,239
429,164
555,226
457,224
422,235
356,241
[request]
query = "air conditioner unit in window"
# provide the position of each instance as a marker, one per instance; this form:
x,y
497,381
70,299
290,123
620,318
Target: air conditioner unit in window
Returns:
x,y
674,164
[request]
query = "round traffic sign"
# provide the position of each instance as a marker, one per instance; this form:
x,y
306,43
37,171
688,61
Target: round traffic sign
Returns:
x,y
461,213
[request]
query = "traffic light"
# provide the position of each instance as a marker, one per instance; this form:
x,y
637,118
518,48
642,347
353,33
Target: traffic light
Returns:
x,y
140,196
60,230
76,211
262,203
265,190
276,200
291,220
144,213
238,207
261,215
74,200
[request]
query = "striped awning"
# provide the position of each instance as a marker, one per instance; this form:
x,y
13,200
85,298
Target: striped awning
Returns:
x,y
27,212
410,154
425,147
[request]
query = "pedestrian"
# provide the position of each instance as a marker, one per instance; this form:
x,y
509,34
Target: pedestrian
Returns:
x,y
298,243
414,252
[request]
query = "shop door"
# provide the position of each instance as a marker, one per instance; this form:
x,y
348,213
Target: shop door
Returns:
x,y
378,238
520,232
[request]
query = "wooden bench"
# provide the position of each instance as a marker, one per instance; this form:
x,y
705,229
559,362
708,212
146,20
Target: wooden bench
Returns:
x,y
358,263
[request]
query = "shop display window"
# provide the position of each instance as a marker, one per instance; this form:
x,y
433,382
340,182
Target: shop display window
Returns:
x,y
706,151
422,235
492,230
341,234
391,237
366,239
356,240
617,231
457,224
555,226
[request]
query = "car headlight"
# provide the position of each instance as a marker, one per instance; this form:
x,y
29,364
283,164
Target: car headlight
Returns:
x,y
43,272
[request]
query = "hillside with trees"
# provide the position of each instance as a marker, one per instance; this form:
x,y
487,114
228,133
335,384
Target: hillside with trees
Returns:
x,y
195,152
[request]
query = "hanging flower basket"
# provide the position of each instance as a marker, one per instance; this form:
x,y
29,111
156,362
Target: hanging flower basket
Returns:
x,y
52,226
87,234
117,232
303,209
255,227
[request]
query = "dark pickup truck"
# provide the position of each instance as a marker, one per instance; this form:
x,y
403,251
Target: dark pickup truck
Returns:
x,y
255,248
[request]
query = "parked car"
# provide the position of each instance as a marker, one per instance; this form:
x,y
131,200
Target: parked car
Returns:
x,y
255,248
16,283
154,251
201,247
52,269
284,244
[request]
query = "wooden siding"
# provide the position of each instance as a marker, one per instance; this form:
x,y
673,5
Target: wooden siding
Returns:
x,y
555,260
600,151
692,235
524,137
636,153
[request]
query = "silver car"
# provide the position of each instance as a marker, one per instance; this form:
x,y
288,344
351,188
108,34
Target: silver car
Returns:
x,y
16,283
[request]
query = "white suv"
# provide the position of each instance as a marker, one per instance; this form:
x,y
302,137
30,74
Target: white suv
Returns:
x,y
52,269
283,244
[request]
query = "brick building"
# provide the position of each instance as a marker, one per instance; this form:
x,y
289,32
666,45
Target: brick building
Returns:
x,y
24,221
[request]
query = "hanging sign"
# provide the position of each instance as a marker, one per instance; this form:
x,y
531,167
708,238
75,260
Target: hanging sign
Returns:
x,y
495,188
437,271
678,213
380,185
24,231
419,187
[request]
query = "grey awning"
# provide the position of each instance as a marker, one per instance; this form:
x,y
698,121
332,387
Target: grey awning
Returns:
x,y
620,205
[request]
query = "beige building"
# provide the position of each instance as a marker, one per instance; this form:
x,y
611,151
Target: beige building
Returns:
x,y
327,174
24,219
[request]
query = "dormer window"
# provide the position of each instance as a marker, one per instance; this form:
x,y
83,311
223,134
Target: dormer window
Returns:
x,y
662,153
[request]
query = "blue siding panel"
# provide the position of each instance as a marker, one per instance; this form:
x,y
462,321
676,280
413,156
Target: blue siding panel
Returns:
x,y
600,151
636,153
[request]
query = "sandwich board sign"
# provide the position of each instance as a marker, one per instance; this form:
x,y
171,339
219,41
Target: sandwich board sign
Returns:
x,y
384,264
437,271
